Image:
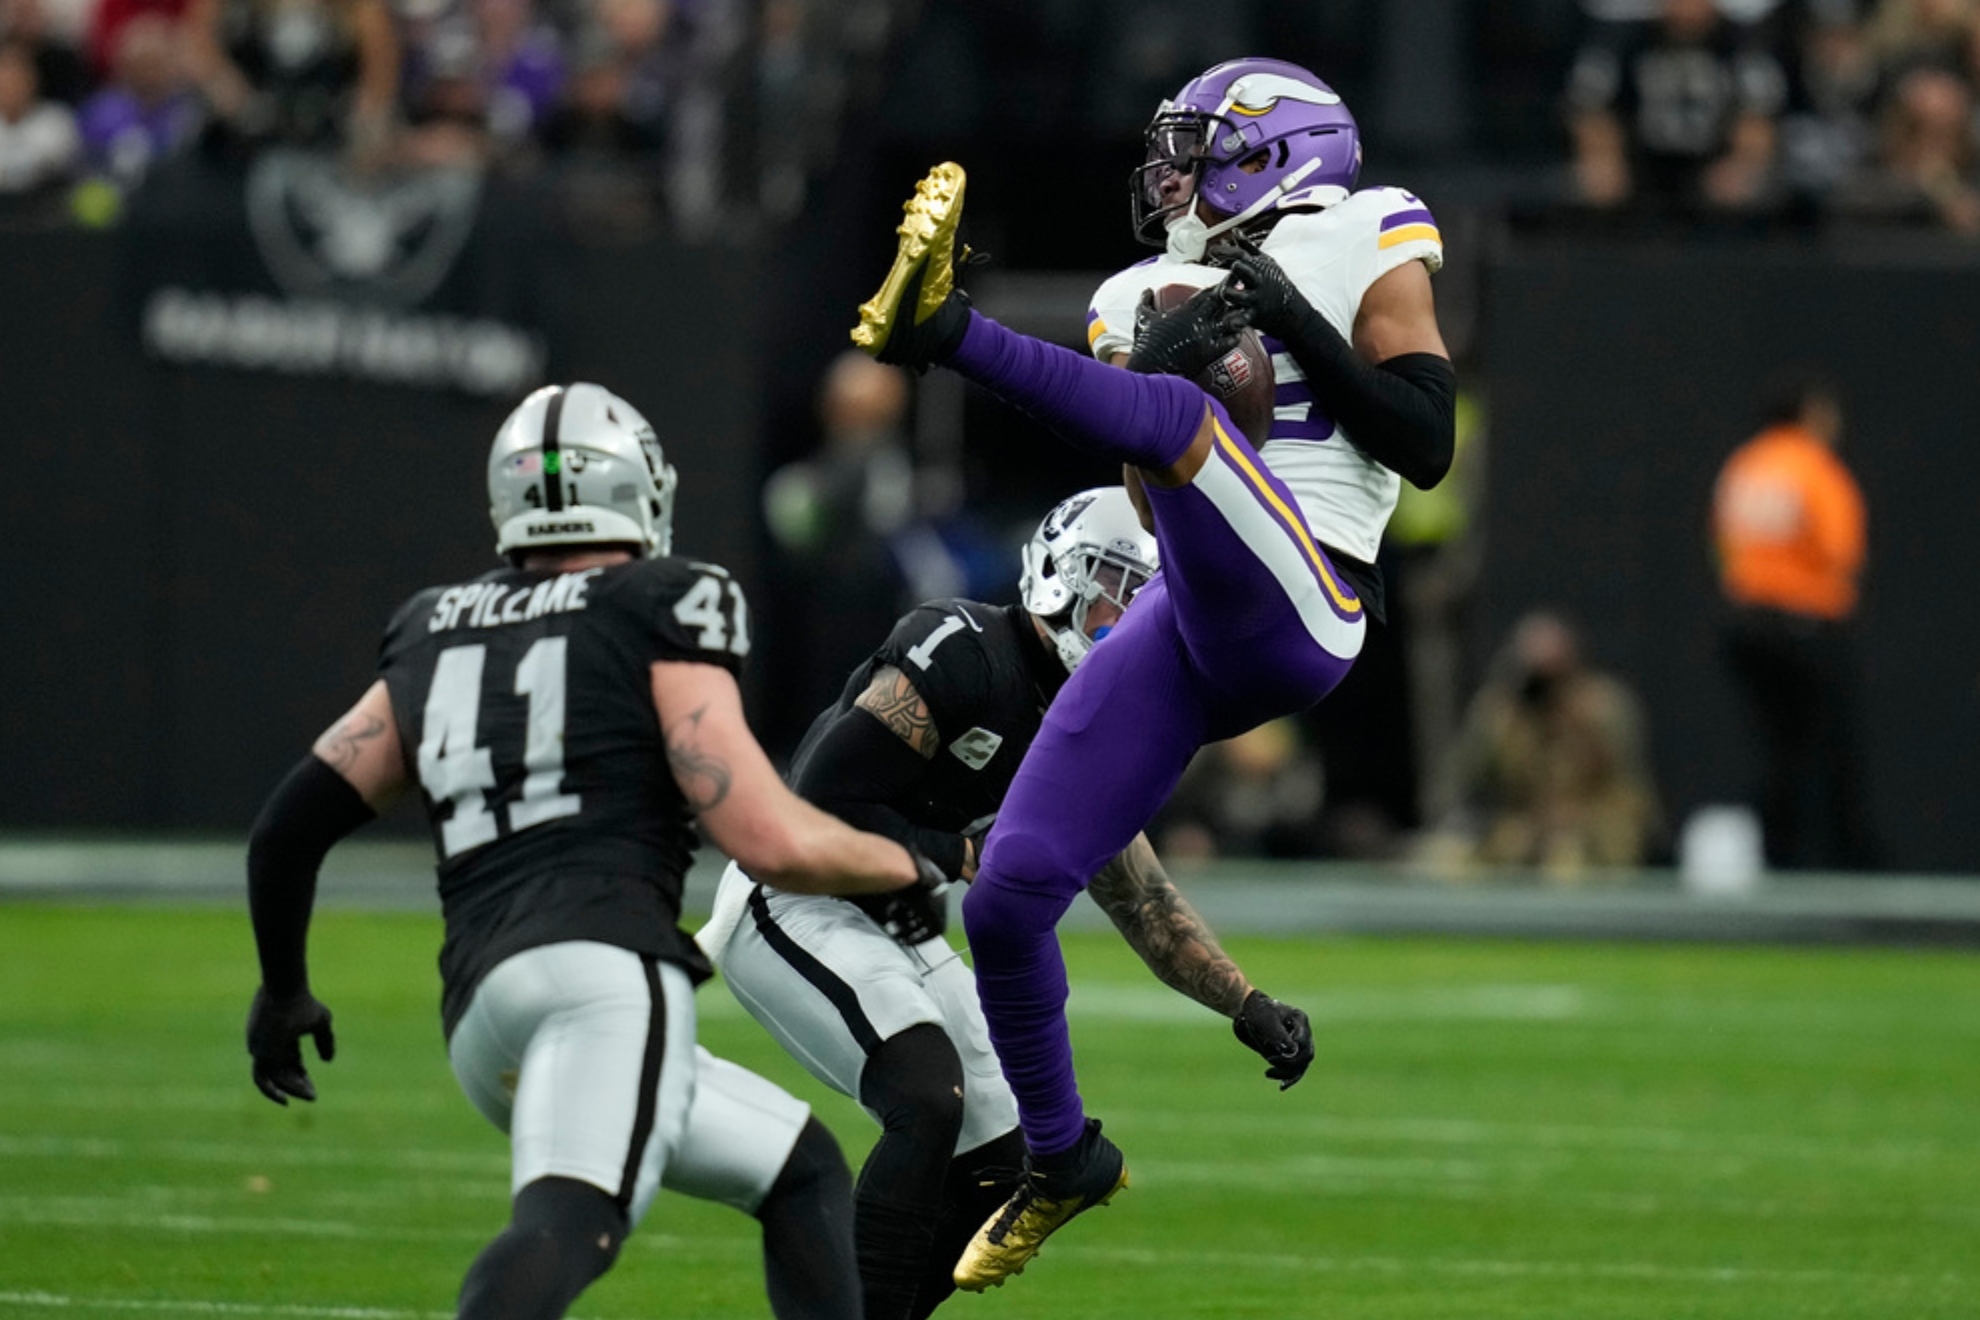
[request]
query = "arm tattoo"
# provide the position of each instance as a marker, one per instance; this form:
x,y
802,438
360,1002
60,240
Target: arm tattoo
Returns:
x,y
340,747
1160,925
703,776
894,702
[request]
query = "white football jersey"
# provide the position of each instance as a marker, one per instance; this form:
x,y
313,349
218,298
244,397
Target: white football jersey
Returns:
x,y
1331,256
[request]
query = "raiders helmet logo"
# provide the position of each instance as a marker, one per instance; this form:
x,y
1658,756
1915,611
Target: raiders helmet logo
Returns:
x,y
1067,514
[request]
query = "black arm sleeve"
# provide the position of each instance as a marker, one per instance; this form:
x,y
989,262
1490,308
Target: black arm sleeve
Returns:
x,y
858,770
306,814
1402,413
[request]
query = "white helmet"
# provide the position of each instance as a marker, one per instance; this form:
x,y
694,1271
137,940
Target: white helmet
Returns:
x,y
1090,547
578,465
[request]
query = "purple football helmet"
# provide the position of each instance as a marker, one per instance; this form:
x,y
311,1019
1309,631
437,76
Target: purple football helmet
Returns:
x,y
1249,137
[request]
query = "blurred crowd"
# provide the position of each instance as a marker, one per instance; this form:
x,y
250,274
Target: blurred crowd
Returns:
x,y
697,112
639,109
692,116
1833,110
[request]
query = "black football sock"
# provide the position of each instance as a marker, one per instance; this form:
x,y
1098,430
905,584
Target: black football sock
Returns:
x,y
808,1260
979,1183
914,1083
562,1234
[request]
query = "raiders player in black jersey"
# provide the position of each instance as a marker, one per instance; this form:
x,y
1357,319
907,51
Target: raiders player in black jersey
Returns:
x,y
921,747
567,719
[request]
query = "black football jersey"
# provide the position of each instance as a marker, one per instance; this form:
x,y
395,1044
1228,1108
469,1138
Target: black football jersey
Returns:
x,y
524,701
987,679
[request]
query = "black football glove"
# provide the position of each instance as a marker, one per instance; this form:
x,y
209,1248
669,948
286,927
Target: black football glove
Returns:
x,y
1185,340
1259,289
975,835
914,914
275,1028
1279,1032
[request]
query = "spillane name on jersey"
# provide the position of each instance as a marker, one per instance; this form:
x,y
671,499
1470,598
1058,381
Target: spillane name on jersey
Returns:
x,y
525,703
987,680
1332,257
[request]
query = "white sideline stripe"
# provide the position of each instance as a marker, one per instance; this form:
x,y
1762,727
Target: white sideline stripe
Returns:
x,y
214,1152
1523,1185
190,1307
1470,1003
118,1212
1425,1131
59,1301
132,1095
1511,1269
79,1212
1565,1136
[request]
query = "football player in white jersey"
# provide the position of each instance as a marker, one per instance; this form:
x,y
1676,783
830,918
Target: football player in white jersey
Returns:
x,y
1259,609
1250,173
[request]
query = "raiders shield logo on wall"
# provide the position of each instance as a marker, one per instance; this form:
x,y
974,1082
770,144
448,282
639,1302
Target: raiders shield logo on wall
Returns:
x,y
387,241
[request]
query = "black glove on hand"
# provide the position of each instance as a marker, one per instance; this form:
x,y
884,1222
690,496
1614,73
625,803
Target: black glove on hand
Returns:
x,y
975,834
275,1028
1184,341
914,914
910,915
1259,289
1279,1032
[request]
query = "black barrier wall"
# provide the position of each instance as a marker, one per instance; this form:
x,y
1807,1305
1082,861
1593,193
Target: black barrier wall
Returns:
x,y
1619,380
203,558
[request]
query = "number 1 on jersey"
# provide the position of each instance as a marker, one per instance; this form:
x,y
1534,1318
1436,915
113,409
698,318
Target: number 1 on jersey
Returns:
x,y
540,677
452,769
924,654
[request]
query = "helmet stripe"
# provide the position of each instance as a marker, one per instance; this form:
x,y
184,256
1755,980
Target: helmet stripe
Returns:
x,y
553,465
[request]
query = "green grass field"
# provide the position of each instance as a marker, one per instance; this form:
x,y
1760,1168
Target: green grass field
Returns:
x,y
1493,1129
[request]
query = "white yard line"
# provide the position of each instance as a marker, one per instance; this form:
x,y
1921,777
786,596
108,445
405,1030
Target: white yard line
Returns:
x,y
1324,1178
59,1301
1147,1002
142,1214
1648,1271
107,1213
1610,1140
191,1306
494,1162
63,1094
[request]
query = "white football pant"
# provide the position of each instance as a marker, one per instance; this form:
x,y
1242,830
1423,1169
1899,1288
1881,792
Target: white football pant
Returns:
x,y
830,986
584,1053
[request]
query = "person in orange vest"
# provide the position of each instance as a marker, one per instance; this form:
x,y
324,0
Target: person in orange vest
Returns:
x,y
1789,523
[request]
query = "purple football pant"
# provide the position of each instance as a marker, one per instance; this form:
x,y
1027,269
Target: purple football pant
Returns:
x,y
1246,622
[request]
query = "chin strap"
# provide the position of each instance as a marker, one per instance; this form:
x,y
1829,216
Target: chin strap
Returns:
x,y
1189,237
1071,644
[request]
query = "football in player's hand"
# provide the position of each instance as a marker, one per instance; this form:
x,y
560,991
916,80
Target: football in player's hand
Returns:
x,y
1241,379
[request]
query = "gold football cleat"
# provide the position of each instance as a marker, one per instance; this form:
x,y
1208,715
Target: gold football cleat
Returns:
x,y
1006,1244
923,275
